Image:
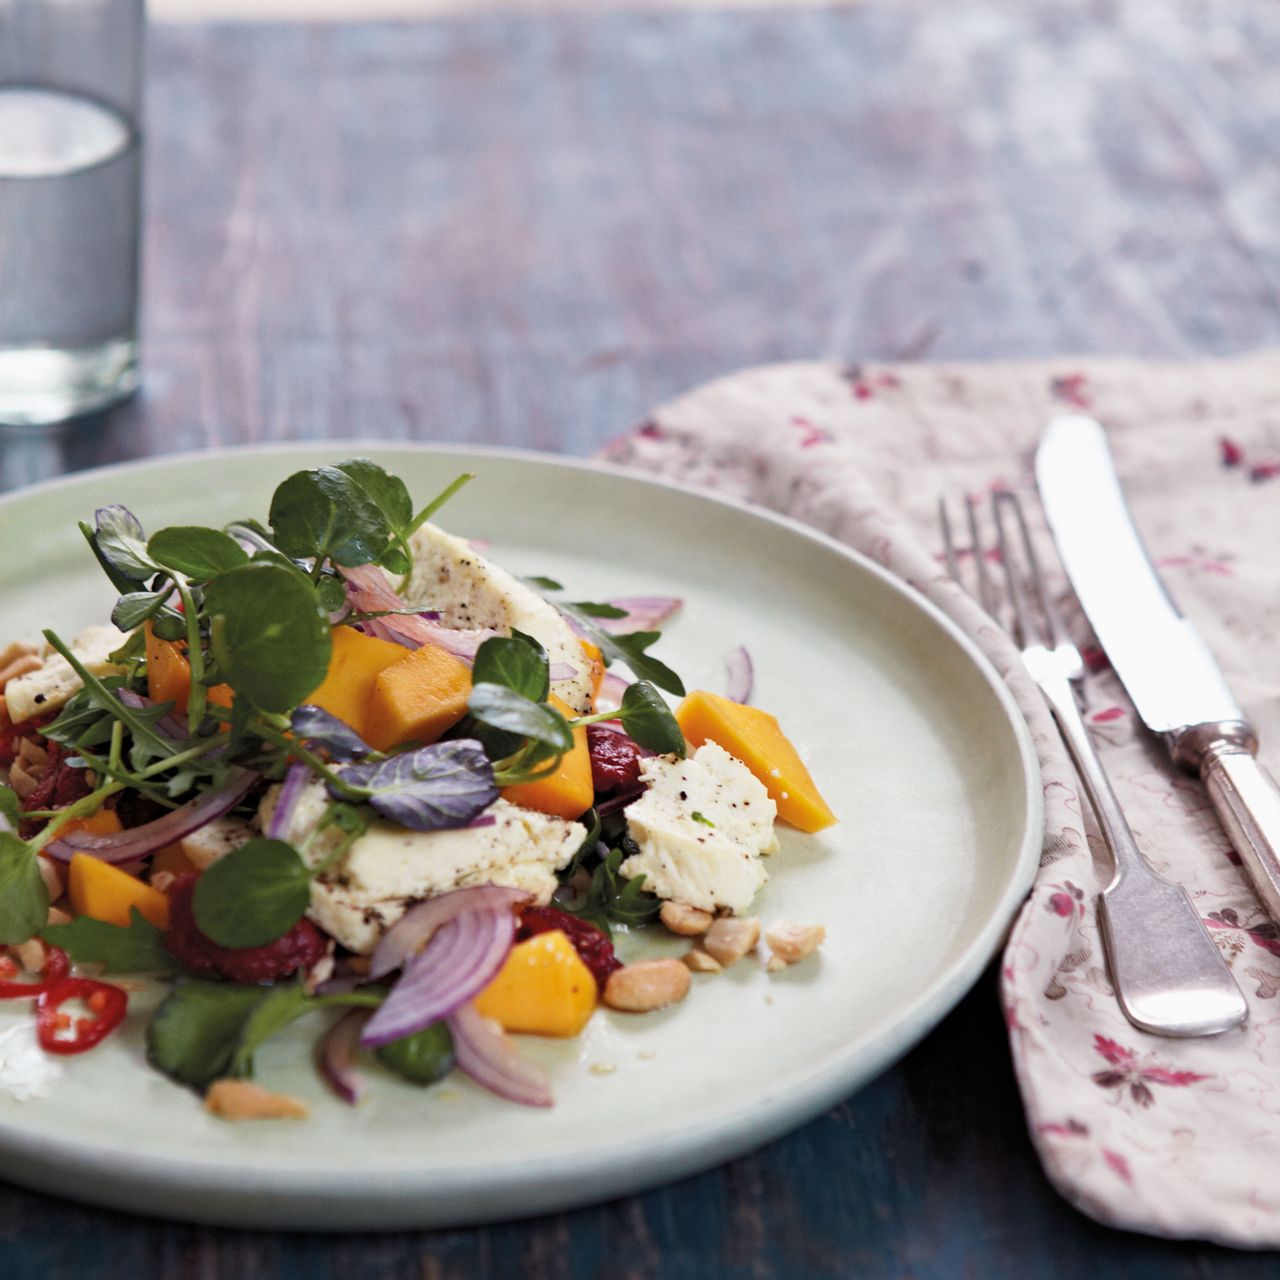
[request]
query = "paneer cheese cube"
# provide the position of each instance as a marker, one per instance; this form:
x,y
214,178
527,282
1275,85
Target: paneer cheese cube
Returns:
x,y
51,687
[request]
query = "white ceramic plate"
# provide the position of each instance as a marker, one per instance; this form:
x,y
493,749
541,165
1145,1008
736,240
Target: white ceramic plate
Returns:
x,y
909,734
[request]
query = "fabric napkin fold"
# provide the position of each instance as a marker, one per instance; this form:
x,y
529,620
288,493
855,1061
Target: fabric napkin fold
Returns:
x,y
1174,1138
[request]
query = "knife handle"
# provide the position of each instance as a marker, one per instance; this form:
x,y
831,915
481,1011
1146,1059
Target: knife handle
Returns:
x,y
1246,798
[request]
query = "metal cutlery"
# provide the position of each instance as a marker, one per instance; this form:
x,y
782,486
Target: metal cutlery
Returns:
x,y
1168,975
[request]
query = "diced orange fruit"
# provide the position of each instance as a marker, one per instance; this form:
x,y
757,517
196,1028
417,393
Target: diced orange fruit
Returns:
x,y
566,793
354,664
755,738
172,859
102,891
417,698
169,674
103,823
543,989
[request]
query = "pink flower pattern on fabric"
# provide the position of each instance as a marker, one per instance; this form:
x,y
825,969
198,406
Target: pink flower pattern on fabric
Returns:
x,y
1177,1138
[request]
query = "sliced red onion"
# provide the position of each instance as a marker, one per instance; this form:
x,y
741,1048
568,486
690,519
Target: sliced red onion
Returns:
x,y
483,1051
368,591
337,1055
562,671
483,820
138,842
287,800
170,726
609,696
741,675
644,613
413,930
461,959
479,545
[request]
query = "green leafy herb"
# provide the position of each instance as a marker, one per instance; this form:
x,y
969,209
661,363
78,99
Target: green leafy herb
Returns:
x,y
648,720
612,897
24,900
516,662
10,807
424,1057
327,515
698,816
445,494
120,545
503,708
542,583
629,648
597,609
387,492
253,895
280,1006
332,593
197,553
270,636
196,1031
139,948
135,607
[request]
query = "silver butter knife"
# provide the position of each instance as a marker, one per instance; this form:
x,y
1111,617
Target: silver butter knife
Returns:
x,y
1167,670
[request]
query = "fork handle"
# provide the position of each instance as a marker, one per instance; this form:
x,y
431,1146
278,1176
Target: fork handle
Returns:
x,y
1169,976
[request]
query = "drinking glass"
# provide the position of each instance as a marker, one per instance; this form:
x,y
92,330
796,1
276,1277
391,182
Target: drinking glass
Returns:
x,y
70,170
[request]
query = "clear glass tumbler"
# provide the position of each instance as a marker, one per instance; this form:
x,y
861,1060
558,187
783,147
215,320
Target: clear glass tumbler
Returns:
x,y
70,176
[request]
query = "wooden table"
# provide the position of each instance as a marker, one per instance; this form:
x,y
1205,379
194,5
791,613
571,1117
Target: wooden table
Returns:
x,y
529,231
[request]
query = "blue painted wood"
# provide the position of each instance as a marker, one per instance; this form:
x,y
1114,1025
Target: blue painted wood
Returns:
x,y
530,231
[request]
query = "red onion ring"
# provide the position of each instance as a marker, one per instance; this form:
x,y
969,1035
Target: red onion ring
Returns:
x,y
287,800
337,1055
461,959
562,671
138,842
413,930
482,1050
170,726
741,675
609,696
644,613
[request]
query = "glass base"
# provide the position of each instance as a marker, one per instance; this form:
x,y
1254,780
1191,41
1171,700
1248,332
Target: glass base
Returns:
x,y
40,386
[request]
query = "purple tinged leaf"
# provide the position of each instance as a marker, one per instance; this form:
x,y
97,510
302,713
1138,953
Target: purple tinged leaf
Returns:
x,y
434,788
317,728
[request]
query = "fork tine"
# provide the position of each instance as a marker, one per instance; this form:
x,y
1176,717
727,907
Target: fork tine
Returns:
x,y
986,592
1028,632
1057,629
948,543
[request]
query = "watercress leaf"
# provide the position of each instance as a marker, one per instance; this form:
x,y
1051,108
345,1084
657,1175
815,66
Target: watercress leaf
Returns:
x,y
278,1007
324,513
437,787
387,491
169,625
332,593
318,729
270,637
542,583
119,540
252,896
516,662
648,720
135,607
598,609
629,648
195,1032
137,948
503,708
423,1058
118,579
198,553
394,560
10,808
133,650
24,900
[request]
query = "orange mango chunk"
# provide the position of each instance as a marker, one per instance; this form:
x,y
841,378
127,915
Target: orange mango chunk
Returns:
x,y
543,989
169,675
103,823
569,791
172,859
355,663
756,739
417,698
102,891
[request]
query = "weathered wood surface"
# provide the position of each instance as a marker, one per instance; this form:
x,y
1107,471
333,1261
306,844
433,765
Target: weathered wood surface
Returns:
x,y
530,231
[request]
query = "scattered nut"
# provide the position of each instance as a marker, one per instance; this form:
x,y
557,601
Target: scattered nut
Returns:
x,y
162,880
58,917
699,962
731,937
244,1100
775,965
30,955
791,942
647,985
687,921
51,876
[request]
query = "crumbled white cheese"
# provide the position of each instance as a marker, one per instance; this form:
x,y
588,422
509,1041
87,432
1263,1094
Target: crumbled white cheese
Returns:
x,y
710,860
26,1071
51,686
215,840
453,579
389,868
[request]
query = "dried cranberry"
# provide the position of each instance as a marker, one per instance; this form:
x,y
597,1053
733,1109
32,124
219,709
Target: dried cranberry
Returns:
x,y
300,948
59,786
615,759
591,944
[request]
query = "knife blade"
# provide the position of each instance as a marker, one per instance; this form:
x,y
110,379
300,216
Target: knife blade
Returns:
x,y
1166,668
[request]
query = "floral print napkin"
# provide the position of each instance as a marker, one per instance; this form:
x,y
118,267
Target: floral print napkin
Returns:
x,y
1175,1138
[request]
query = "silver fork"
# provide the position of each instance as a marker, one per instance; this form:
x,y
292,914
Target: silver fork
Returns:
x,y
1168,975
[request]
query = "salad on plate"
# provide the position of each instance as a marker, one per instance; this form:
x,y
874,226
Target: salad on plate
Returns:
x,y
340,766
